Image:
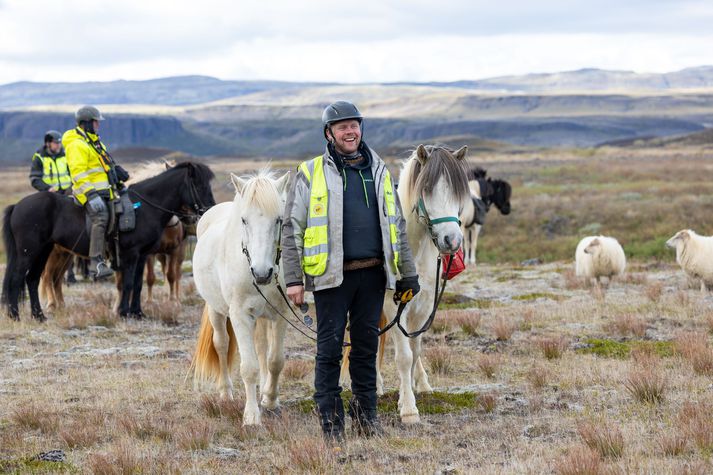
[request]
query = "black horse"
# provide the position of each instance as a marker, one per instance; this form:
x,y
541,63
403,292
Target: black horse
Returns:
x,y
37,222
493,192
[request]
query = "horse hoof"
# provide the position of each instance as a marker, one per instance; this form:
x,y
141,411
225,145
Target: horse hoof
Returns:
x,y
40,317
409,419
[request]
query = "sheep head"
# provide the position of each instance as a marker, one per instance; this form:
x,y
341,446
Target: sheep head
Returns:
x,y
593,246
680,238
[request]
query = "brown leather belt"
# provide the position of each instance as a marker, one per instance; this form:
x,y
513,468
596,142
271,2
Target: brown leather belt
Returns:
x,y
362,263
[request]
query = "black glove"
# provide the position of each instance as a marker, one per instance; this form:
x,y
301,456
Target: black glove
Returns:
x,y
407,283
121,174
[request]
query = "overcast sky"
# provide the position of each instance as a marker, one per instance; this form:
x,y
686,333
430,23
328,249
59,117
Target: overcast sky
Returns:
x,y
346,40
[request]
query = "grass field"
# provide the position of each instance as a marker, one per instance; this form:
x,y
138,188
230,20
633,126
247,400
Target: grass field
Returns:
x,y
534,372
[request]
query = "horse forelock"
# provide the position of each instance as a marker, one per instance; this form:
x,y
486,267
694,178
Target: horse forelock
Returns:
x,y
441,164
260,192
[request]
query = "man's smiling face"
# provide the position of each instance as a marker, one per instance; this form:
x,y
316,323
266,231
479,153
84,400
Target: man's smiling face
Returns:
x,y
346,135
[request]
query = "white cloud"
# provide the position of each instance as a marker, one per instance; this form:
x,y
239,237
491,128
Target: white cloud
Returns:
x,y
418,40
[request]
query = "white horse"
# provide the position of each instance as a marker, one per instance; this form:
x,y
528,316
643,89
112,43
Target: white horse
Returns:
x,y
437,178
224,276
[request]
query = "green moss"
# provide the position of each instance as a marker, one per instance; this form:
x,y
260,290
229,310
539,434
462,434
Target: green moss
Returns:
x,y
622,349
538,295
458,301
433,403
28,465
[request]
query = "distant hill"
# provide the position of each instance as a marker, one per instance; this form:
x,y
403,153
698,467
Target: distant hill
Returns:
x,y
204,116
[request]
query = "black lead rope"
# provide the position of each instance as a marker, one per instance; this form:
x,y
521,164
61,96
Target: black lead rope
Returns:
x,y
436,302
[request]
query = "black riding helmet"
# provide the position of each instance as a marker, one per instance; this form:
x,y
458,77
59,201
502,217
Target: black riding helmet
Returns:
x,y
338,111
53,136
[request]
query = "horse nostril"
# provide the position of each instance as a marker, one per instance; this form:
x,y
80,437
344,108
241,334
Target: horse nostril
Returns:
x,y
447,239
269,274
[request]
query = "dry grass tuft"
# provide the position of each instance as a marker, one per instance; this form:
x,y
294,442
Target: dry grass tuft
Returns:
x,y
646,382
440,359
82,316
210,404
579,461
231,409
653,291
598,293
682,298
572,282
311,455
603,436
708,319
528,317
196,435
487,402
635,278
32,416
673,445
166,311
694,347
441,325
467,320
120,460
629,324
538,376
297,370
80,435
503,329
489,363
552,347
695,420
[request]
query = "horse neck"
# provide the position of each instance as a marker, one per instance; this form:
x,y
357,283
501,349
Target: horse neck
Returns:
x,y
422,247
163,194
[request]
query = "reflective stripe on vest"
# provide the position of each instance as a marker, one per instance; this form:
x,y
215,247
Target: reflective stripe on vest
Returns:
x,y
315,251
55,172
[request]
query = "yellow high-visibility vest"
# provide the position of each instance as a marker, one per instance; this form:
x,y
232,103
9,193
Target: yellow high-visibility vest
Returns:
x,y
55,172
315,251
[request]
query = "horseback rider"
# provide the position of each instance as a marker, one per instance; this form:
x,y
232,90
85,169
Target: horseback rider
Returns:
x,y
96,180
49,171
344,239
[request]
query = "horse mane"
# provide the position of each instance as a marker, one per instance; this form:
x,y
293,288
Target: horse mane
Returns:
x,y
422,179
202,172
260,192
149,169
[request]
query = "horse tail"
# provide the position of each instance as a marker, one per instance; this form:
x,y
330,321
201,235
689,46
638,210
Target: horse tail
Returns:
x,y
206,365
8,239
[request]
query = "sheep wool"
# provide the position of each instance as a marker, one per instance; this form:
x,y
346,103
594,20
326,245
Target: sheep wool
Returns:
x,y
694,253
599,256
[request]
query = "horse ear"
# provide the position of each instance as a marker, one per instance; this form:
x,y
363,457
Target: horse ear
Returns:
x,y
238,182
421,154
282,182
460,153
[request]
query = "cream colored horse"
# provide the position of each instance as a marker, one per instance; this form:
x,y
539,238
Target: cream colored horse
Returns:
x,y
224,277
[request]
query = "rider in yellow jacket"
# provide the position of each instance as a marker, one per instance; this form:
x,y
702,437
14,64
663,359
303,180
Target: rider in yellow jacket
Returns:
x,y
95,180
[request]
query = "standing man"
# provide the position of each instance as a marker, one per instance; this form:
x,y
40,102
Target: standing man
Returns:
x,y
49,171
96,179
344,238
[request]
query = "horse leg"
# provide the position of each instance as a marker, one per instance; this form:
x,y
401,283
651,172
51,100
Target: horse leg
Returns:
x,y
178,257
119,281
249,370
150,277
474,242
137,284
404,363
171,275
57,277
47,287
221,342
420,378
33,282
345,379
276,361
260,339
126,282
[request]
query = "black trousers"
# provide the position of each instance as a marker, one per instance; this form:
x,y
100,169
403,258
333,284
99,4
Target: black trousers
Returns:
x,y
361,296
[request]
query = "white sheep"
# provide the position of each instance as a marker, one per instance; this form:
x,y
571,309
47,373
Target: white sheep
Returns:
x,y
599,256
694,253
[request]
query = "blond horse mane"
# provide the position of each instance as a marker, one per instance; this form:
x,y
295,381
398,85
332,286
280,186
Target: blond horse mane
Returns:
x,y
260,192
149,169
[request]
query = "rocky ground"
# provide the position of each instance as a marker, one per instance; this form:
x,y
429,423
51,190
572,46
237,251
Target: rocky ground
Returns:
x,y
534,373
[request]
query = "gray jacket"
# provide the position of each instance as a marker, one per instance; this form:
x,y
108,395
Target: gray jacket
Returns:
x,y
295,221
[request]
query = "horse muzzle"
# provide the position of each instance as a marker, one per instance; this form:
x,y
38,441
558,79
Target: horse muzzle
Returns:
x,y
450,243
262,278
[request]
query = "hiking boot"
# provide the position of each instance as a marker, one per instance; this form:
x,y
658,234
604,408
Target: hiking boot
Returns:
x,y
98,269
334,436
365,422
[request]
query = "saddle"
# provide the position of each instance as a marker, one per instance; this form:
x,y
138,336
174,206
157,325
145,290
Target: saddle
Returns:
x,y
122,215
